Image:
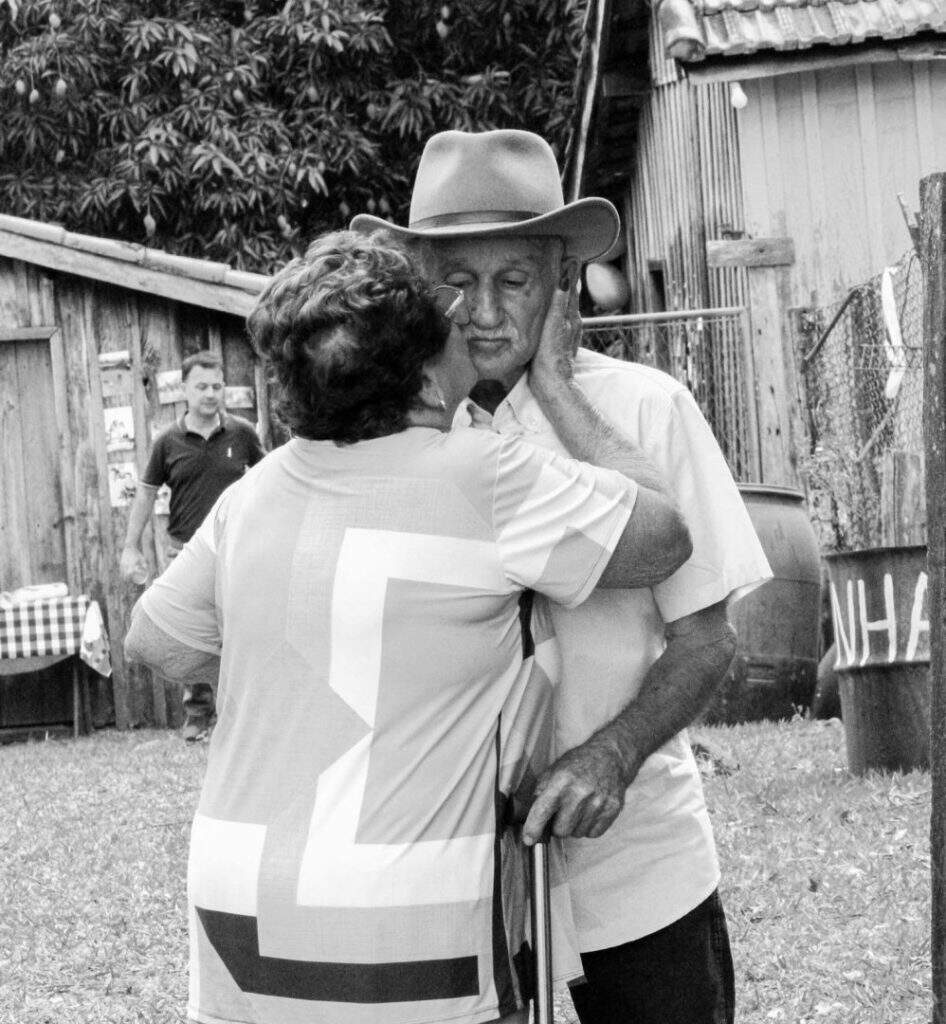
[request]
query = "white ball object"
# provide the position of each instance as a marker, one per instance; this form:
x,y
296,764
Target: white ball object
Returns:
x,y
737,96
607,286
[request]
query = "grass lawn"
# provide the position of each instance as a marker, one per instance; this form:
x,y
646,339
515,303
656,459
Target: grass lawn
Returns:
x,y
825,879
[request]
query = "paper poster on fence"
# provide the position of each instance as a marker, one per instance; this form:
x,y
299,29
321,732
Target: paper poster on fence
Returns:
x,y
117,382
119,429
238,397
110,360
170,388
122,482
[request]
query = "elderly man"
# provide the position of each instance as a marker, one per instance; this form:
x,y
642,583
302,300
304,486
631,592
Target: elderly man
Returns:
x,y
488,216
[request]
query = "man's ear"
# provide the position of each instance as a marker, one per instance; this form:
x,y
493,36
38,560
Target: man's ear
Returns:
x,y
569,273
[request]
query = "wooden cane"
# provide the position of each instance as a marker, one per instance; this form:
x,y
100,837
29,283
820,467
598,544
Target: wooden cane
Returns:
x,y
541,931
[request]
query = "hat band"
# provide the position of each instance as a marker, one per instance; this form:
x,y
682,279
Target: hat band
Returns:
x,y
445,220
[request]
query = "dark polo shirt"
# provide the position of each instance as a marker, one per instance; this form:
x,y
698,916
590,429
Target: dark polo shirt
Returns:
x,y
198,470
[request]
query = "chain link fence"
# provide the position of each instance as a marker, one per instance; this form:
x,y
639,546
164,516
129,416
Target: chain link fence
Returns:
x,y
704,349
861,361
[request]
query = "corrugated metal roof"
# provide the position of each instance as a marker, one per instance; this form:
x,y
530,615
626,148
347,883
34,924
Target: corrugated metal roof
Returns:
x,y
745,26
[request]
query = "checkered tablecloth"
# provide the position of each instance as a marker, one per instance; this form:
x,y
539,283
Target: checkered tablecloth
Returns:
x,y
58,625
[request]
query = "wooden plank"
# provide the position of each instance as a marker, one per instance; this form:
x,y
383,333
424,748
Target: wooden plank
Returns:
x,y
65,450
26,334
925,118
40,442
938,92
750,252
735,69
92,559
769,290
161,350
126,275
141,680
814,162
114,315
42,299
780,424
108,585
214,337
754,163
15,568
933,228
42,436
902,499
871,197
847,259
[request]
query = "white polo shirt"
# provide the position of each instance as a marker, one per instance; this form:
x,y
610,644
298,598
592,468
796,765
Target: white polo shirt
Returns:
x,y
658,860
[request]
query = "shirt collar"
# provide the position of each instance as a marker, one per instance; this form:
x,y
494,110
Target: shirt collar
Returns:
x,y
221,424
517,404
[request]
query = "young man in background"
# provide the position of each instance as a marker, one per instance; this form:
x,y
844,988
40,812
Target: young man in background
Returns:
x,y
198,457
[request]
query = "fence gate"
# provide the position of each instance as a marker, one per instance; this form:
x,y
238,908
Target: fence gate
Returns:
x,y
707,351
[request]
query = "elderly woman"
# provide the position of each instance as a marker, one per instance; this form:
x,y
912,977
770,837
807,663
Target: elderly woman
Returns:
x,y
357,591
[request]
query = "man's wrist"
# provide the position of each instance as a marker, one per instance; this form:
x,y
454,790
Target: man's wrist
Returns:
x,y
550,384
618,740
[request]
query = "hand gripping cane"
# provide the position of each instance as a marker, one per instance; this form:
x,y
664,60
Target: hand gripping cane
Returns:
x,y
541,930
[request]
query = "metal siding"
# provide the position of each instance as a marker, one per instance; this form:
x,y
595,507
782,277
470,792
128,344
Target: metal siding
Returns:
x,y
686,188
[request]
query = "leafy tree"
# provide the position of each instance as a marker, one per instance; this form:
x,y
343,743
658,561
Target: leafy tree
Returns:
x,y
238,129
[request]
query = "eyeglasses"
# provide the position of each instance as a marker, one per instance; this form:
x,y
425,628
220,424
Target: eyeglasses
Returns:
x,y
451,302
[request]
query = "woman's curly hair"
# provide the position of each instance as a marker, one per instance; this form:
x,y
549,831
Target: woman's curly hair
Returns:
x,y
346,330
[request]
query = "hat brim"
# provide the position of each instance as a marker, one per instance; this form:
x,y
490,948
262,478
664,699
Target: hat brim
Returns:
x,y
589,227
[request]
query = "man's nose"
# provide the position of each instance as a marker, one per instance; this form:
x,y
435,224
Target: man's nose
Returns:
x,y
486,310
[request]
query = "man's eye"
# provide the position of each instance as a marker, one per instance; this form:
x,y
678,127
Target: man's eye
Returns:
x,y
513,282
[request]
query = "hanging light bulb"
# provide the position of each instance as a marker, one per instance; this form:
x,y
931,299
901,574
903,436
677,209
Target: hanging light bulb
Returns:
x,y
738,97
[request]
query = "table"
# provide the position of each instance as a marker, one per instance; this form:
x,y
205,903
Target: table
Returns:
x,y
36,634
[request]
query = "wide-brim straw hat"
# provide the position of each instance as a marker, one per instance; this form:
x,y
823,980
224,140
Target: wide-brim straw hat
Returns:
x,y
504,182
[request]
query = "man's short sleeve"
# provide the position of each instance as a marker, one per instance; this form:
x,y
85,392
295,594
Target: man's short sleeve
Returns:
x,y
181,601
155,473
557,520
254,448
727,560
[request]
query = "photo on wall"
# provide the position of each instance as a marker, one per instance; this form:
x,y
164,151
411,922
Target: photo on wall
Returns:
x,y
122,483
119,429
170,388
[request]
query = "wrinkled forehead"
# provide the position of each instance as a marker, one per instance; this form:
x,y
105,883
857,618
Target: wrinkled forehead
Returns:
x,y
440,257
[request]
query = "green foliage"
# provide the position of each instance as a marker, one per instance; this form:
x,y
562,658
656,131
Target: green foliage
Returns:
x,y
238,130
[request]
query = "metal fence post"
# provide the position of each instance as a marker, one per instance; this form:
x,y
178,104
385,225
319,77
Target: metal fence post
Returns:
x,y
933,226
